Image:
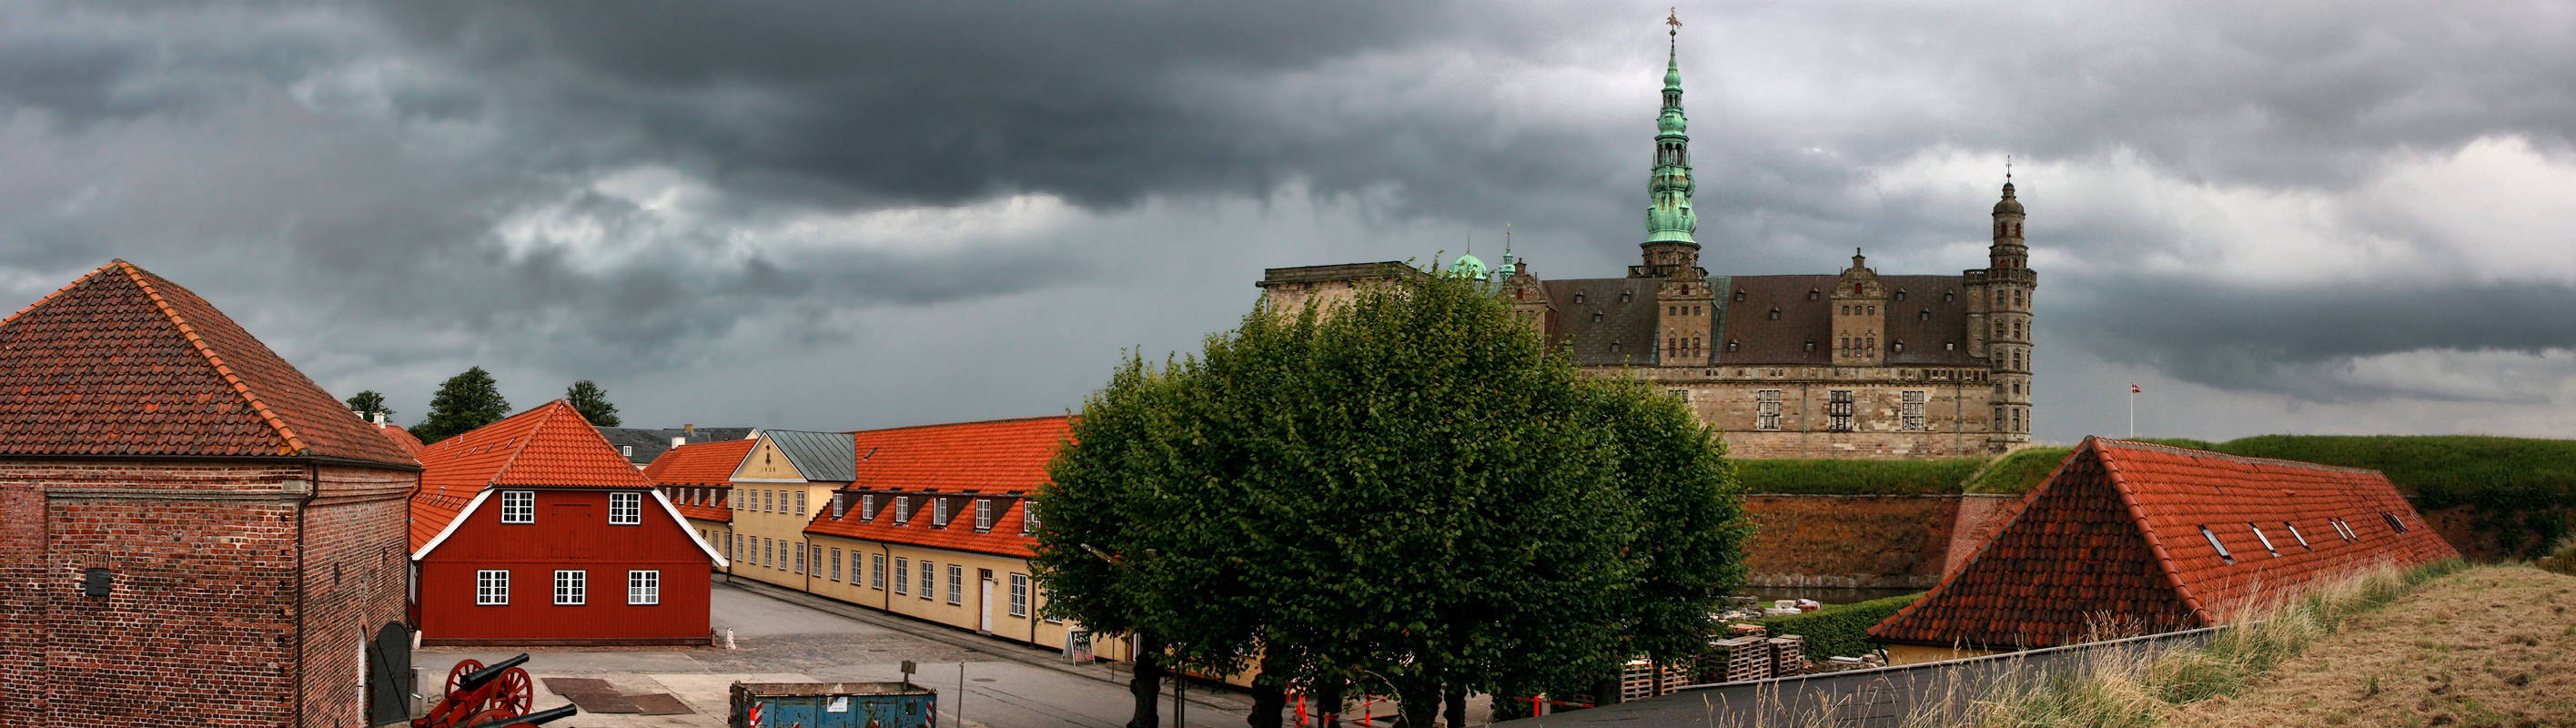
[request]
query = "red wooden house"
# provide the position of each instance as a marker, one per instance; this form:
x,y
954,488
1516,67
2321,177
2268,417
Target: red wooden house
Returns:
x,y
534,531
2139,537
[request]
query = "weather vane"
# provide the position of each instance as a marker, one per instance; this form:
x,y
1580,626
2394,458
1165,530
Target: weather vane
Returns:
x,y
2008,168
1674,19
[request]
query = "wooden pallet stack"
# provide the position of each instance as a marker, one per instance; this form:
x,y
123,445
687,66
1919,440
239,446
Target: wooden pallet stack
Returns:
x,y
1788,655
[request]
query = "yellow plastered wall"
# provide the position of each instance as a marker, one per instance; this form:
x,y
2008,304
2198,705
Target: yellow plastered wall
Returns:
x,y
867,579
768,529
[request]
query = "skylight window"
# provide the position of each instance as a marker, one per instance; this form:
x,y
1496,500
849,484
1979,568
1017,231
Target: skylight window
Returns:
x,y
2213,543
2294,533
2267,540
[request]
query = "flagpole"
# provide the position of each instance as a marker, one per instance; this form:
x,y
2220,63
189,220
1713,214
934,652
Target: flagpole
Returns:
x,y
2133,412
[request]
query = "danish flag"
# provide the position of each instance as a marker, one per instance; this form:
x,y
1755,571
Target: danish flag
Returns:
x,y
2133,389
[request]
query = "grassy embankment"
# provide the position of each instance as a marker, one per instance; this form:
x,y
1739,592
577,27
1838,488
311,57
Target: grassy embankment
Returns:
x,y
2434,646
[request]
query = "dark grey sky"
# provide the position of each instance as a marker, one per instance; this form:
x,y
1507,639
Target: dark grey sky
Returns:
x,y
2288,217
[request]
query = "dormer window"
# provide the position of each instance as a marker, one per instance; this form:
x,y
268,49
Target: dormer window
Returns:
x,y
1813,294
1614,347
1926,315
1811,345
938,513
1624,296
1028,517
1733,345
627,450
983,514
1739,294
840,503
1899,346
1949,296
867,506
1949,346
1900,294
1596,317
1578,298
1775,314
902,509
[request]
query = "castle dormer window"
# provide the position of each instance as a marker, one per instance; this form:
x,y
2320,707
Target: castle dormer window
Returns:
x,y
1739,295
1927,314
1900,294
1949,296
1614,347
1813,294
1596,317
1775,313
1899,346
1624,296
1811,346
1578,298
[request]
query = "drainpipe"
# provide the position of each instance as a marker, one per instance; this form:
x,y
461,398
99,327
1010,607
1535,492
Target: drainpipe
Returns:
x,y
303,651
887,594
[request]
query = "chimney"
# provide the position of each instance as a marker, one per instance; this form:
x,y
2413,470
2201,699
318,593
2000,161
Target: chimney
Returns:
x,y
690,430
380,420
678,441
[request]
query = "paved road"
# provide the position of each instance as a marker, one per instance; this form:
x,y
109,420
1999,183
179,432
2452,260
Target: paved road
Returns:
x,y
784,639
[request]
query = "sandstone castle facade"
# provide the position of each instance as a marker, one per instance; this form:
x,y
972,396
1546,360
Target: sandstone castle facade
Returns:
x,y
1848,365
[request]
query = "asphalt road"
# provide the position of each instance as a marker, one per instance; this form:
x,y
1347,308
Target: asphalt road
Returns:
x,y
790,639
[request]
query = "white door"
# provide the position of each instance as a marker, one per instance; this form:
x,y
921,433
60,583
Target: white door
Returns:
x,y
985,595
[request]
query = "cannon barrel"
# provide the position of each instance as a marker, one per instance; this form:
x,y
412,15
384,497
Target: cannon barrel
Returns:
x,y
475,680
536,718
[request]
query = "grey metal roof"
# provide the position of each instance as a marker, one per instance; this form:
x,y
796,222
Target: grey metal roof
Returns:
x,y
829,456
649,443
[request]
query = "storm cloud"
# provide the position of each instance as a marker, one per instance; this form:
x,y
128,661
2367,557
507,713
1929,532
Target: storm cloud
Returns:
x,y
2309,217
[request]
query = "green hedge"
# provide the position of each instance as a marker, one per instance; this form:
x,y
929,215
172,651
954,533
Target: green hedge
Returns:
x,y
1855,477
2020,471
1841,630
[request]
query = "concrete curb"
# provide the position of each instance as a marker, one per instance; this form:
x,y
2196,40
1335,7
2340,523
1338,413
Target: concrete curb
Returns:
x,y
1229,700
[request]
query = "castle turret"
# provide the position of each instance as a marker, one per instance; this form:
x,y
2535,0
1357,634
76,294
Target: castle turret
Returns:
x,y
1858,320
1669,250
2004,294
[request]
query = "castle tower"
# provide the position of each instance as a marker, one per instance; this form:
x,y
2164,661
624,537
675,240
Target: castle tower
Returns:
x,y
2006,299
1669,250
1858,298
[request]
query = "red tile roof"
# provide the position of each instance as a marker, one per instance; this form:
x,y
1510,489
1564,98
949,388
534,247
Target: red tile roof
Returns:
x,y
701,465
1000,460
547,447
403,439
123,362
2117,531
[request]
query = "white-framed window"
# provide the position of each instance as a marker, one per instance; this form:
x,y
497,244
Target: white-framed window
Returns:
x,y
1766,409
840,504
625,509
800,503
983,514
626,451
800,558
938,513
929,580
518,506
876,571
1838,410
768,501
1910,410
769,552
956,584
867,506
2213,543
572,587
836,564
644,586
492,587
902,509
1020,595
902,575
1043,615
1028,517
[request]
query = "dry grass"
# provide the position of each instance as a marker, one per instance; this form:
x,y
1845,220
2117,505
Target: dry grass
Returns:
x,y
2491,646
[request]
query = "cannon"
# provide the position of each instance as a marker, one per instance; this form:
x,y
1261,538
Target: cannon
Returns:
x,y
478,694
537,718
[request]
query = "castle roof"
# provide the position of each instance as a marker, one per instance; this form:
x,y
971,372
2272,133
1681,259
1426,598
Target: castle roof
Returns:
x,y
124,362
999,461
2163,538
1930,320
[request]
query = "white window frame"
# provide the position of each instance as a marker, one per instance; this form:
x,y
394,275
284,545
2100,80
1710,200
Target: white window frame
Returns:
x,y
1910,406
956,584
1048,596
938,512
625,509
518,507
800,503
644,586
929,580
572,587
876,571
983,514
1766,409
867,506
1842,408
902,575
800,558
492,587
902,509
836,564
1020,596
1028,516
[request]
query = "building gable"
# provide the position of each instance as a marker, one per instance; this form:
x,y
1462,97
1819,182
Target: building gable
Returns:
x,y
767,463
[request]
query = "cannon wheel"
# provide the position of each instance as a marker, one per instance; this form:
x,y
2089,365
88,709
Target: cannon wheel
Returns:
x,y
494,715
457,674
515,694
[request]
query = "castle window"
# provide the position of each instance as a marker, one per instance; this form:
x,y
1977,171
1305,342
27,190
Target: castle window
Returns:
x,y
1733,345
1624,296
1766,409
1596,317
1812,294
1900,346
1947,296
1910,412
1838,410
1873,311
1900,294
1671,311
1739,295
1680,394
1614,347
1775,313
1694,311
1811,345
1578,298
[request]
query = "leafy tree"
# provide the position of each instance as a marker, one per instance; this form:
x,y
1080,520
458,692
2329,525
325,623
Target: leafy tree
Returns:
x,y
1408,494
592,402
369,402
466,401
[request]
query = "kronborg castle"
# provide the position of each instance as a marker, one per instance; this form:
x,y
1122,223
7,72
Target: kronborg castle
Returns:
x,y
1848,365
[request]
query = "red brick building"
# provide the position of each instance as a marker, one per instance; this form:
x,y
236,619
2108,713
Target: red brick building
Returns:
x,y
2159,539
193,533
534,531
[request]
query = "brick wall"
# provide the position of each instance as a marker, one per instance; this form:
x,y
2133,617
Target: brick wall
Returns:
x,y
1887,541
201,625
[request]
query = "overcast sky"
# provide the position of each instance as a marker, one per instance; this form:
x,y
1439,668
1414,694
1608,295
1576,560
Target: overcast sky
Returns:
x,y
2330,217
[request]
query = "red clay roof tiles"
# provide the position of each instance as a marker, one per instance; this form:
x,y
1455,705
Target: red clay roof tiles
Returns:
x,y
547,447
1000,460
701,465
2117,532
123,362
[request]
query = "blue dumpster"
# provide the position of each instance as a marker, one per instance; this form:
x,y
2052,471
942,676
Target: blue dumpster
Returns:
x,y
834,705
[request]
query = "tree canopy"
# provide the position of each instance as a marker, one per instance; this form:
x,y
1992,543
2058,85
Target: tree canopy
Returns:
x,y
466,401
367,403
592,402
1408,490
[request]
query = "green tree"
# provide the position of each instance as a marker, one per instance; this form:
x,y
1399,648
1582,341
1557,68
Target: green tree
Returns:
x,y
367,403
466,401
1408,494
592,402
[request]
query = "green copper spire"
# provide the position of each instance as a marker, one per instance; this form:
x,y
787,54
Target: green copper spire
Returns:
x,y
1670,249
